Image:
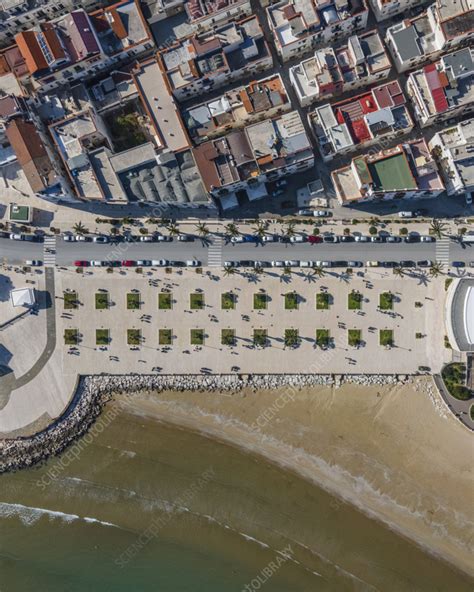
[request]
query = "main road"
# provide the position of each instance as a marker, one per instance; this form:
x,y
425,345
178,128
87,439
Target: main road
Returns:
x,y
215,250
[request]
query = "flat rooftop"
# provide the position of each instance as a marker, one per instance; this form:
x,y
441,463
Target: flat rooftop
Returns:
x,y
392,173
161,107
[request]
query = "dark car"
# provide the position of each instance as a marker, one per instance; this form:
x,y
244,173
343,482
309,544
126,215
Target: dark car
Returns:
x,y
424,263
347,238
389,263
412,238
393,239
340,264
458,264
81,263
407,263
332,238
314,239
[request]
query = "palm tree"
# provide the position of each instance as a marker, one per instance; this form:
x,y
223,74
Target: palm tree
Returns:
x,y
318,271
79,228
229,271
259,270
287,270
398,271
436,268
202,229
438,228
290,230
260,229
232,230
172,228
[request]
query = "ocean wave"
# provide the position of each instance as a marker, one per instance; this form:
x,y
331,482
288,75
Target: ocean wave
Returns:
x,y
30,515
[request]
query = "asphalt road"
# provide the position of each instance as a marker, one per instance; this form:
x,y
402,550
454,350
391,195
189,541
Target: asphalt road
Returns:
x,y
216,251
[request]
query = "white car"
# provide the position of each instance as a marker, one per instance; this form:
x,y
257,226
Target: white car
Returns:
x,y
143,263
96,263
164,238
100,239
298,238
427,239
305,212
193,263
405,214
160,262
269,238
372,264
307,263
69,238
323,263
292,263
185,238
360,238
237,239
321,214
82,238
33,262
469,196
14,236
146,238
278,264
231,263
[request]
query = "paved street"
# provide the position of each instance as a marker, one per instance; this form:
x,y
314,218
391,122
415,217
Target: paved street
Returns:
x,y
444,250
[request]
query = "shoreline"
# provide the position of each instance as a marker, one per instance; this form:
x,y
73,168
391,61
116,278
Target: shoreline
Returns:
x,y
126,393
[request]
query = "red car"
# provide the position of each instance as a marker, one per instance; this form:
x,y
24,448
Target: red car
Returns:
x,y
128,263
313,239
81,263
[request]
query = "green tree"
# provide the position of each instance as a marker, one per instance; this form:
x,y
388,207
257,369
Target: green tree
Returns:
x,y
289,230
398,271
231,230
438,228
287,270
79,228
436,269
172,228
202,229
260,229
373,230
229,271
318,271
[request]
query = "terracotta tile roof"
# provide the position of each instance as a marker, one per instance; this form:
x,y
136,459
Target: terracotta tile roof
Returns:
x,y
31,51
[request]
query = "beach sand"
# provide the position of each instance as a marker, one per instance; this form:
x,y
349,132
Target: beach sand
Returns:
x,y
395,452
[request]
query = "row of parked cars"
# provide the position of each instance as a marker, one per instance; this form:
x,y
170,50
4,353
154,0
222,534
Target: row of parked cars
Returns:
x,y
138,263
21,237
310,264
334,238
130,238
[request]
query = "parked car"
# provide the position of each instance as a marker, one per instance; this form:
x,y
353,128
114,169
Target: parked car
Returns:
x,y
143,263
193,263
84,239
339,263
314,239
30,237
469,196
390,264
321,214
100,239
406,214
246,263
323,263
331,238
147,238
269,238
360,238
346,238
281,183
427,239
354,264
113,263
128,263
307,263
372,263
292,263
237,239
160,262
69,238
250,238
298,238
185,238
164,238
407,263
96,263
393,239
278,264
4,234
412,238
458,264
15,236
261,264
231,263
81,263
33,262
424,263
376,239
471,263
305,212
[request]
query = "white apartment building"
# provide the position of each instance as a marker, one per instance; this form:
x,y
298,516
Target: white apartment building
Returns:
x,y
385,9
204,15
360,62
300,26
453,148
444,89
445,25
199,64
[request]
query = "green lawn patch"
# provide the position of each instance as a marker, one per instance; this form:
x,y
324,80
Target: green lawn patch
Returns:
x,y
133,300
260,301
447,283
165,336
354,300
260,337
70,300
228,336
134,336
291,301
322,301
227,301
386,337
101,300
196,301
197,336
323,337
454,377
354,337
292,337
386,301
102,336
71,336
165,300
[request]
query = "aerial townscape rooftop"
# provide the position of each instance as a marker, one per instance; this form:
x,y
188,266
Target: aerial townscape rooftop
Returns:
x,y
236,295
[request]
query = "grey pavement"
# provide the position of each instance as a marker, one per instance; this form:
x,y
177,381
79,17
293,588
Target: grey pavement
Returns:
x,y
459,408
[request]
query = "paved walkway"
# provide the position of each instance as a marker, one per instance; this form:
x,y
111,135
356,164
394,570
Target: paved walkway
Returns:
x,y
459,408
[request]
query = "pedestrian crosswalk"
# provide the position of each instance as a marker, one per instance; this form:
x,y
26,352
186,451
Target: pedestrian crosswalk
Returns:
x,y
49,251
442,250
214,256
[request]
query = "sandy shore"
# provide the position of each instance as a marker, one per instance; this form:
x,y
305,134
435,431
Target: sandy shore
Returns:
x,y
393,451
